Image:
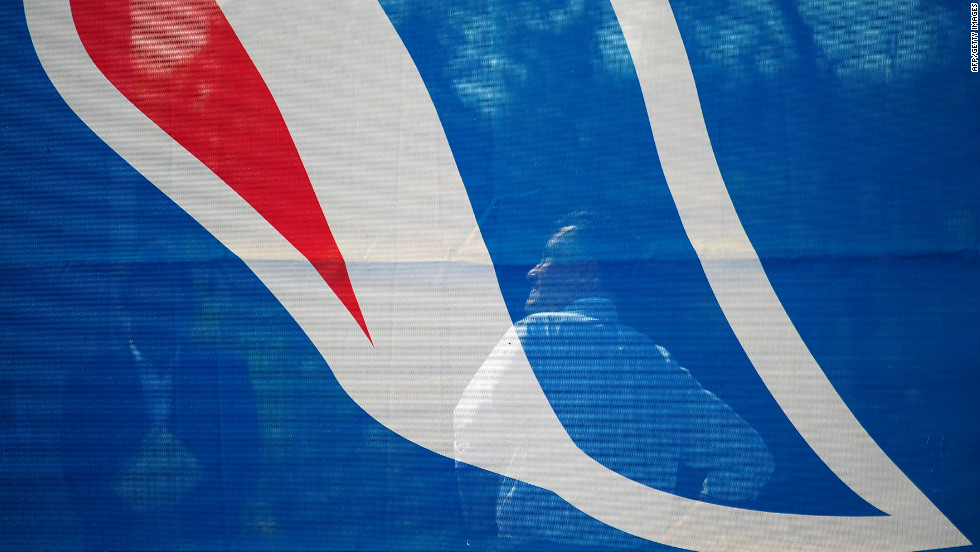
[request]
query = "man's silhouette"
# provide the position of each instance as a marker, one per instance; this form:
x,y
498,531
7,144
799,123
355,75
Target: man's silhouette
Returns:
x,y
622,399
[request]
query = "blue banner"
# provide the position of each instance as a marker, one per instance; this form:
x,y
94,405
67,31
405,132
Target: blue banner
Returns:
x,y
489,276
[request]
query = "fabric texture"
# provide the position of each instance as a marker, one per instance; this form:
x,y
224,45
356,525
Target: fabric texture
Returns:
x,y
626,403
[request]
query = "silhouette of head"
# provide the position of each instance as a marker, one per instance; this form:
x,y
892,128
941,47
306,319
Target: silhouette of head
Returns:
x,y
578,261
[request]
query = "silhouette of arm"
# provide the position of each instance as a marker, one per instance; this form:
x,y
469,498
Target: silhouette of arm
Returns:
x,y
716,439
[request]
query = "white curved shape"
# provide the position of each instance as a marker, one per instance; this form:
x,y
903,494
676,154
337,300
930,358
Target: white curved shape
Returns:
x,y
379,160
738,279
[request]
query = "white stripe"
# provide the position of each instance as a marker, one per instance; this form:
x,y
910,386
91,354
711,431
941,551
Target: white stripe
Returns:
x,y
739,282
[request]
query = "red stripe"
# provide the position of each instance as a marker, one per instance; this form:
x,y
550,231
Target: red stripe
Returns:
x,y
181,64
